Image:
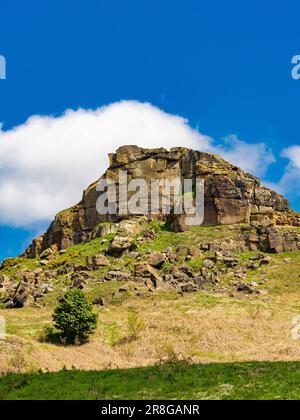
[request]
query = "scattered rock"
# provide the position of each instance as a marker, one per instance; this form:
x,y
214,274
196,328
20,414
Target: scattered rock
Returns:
x,y
45,254
253,284
127,230
118,275
195,252
252,266
240,275
47,288
144,270
180,277
135,255
79,283
208,264
44,262
99,301
119,245
97,261
265,261
188,288
65,269
243,287
257,257
3,281
22,297
182,251
185,270
263,292
80,279
157,259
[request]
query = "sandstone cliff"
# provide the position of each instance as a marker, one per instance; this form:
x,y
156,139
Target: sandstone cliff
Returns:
x,y
231,195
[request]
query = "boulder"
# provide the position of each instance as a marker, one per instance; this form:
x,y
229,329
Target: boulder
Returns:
x,y
23,296
99,301
46,288
124,289
200,280
46,253
40,275
188,288
157,259
243,287
3,281
97,261
195,252
118,275
209,264
80,279
119,245
146,271
265,261
257,257
180,277
79,283
185,270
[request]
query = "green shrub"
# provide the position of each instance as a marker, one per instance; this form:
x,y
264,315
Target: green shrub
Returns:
x,y
135,325
74,317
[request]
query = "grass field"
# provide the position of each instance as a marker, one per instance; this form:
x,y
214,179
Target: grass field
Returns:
x,y
205,327
238,345
240,381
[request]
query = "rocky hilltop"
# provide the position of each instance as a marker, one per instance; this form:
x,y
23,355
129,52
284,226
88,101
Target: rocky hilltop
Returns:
x,y
242,221
231,196
227,286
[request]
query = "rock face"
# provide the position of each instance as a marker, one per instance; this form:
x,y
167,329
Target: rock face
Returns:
x,y
30,287
259,236
231,197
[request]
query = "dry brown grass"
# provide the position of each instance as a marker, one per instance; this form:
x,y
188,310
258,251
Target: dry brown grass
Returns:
x,y
202,326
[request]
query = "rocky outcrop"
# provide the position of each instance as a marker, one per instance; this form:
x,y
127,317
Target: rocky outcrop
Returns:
x,y
264,236
125,234
231,197
30,287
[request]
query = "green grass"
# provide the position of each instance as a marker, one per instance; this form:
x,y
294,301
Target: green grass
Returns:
x,y
237,381
166,238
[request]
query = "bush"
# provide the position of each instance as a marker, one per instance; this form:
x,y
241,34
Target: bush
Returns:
x,y
135,326
74,317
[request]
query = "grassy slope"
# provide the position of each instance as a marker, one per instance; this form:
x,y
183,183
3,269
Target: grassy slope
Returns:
x,y
177,381
207,327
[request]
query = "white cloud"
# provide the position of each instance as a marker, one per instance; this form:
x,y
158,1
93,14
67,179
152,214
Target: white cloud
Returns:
x,y
288,184
47,162
254,158
290,180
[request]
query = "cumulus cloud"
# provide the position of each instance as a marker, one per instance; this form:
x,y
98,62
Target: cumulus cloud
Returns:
x,y
290,180
46,162
254,158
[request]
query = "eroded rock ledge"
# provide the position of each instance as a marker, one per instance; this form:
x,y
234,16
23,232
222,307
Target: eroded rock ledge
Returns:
x,y
231,197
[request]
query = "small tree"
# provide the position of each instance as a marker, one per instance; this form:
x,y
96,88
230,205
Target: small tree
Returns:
x,y
74,317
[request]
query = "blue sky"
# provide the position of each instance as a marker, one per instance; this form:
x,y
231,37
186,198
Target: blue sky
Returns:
x,y
225,66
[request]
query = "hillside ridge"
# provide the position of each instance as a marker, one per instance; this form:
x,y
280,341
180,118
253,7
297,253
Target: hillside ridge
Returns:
x,y
150,253
231,195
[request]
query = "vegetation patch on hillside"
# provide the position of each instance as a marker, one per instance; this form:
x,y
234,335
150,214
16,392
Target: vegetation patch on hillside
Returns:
x,y
179,380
